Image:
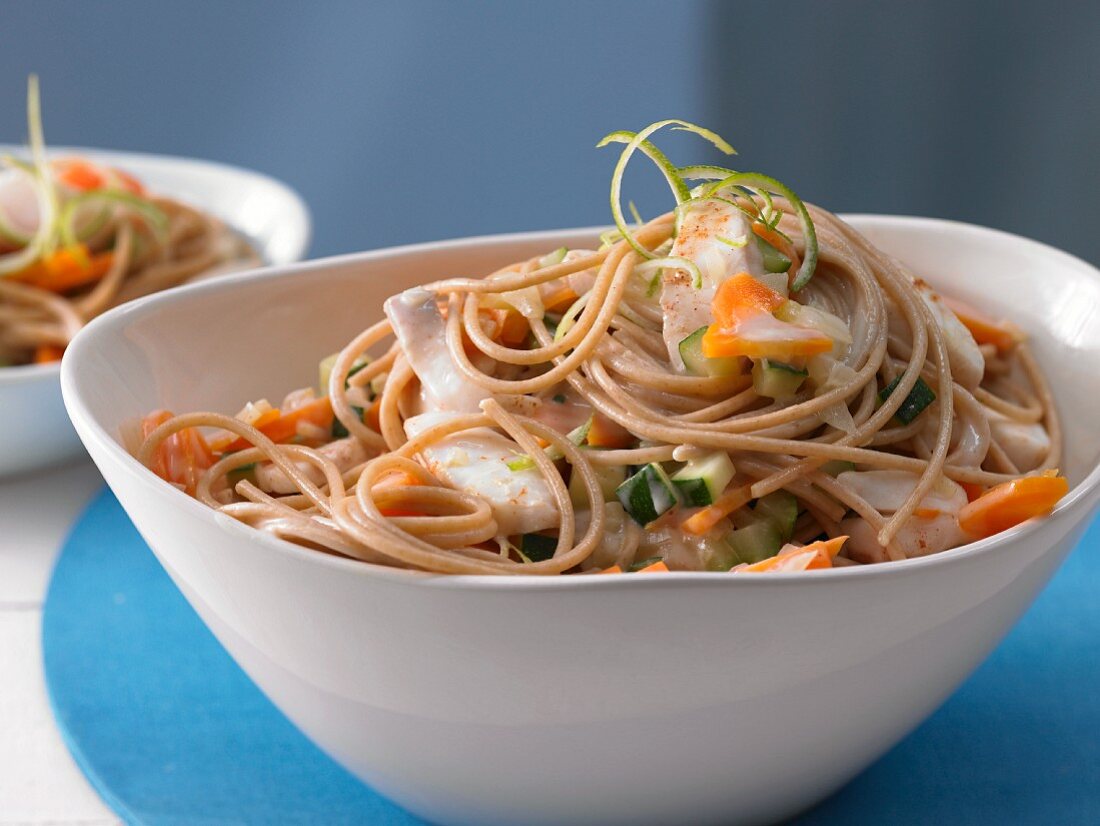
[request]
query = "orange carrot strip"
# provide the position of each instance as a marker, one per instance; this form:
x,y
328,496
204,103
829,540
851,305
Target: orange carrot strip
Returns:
x,y
182,457
706,518
1011,503
48,353
927,513
984,329
373,417
718,343
317,412
614,569
657,567
973,490
66,269
561,299
604,432
816,555
742,295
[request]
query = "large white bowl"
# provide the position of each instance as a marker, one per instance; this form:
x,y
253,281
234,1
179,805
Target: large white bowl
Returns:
x,y
679,698
34,430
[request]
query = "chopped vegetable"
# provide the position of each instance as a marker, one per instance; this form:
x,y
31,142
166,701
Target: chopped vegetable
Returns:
x,y
66,269
701,481
560,299
324,371
755,542
317,412
538,547
555,257
605,433
395,479
768,241
614,569
691,352
744,324
781,509
1007,505
645,563
818,554
703,520
835,467
918,399
182,457
48,353
984,329
647,494
577,436
777,379
657,567
609,478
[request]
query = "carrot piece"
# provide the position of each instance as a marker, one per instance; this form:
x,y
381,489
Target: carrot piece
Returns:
x,y
604,432
373,417
706,518
561,299
927,513
391,480
743,305
317,412
182,457
66,269
48,353
614,569
780,243
657,567
973,490
78,174
742,295
719,343
984,329
1007,505
816,555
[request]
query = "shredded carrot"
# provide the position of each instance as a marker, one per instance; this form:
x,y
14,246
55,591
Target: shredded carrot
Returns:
x,y
1007,505
742,295
373,417
780,243
561,299
706,518
816,555
984,329
48,353
973,490
67,269
614,569
285,427
609,434
927,513
85,176
744,325
182,457
657,567
391,480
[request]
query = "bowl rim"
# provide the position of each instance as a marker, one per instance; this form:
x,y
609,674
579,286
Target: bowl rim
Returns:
x,y
19,373
1079,499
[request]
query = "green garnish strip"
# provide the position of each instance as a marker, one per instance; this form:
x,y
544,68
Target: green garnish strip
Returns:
x,y
577,436
919,398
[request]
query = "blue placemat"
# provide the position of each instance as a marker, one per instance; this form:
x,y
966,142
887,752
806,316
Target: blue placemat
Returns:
x,y
171,731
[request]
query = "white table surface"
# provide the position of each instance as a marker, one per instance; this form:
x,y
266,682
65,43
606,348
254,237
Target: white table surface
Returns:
x,y
39,782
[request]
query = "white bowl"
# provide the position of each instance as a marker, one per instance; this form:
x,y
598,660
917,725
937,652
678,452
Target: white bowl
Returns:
x,y
34,430
678,698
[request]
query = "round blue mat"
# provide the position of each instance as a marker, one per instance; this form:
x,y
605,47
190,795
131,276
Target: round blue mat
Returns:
x,y
170,731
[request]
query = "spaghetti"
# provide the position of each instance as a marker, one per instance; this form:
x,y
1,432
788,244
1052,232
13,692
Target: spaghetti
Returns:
x,y
744,383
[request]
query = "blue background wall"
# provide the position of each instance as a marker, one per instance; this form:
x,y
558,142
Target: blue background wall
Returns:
x,y
418,120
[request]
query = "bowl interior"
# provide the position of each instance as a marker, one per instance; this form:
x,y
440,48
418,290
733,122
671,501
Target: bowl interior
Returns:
x,y
216,345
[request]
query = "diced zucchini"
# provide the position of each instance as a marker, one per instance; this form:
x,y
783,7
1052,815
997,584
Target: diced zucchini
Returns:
x,y
577,436
243,472
780,508
324,371
918,399
691,351
338,429
609,477
647,494
776,379
774,260
538,547
835,467
552,258
756,542
702,480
